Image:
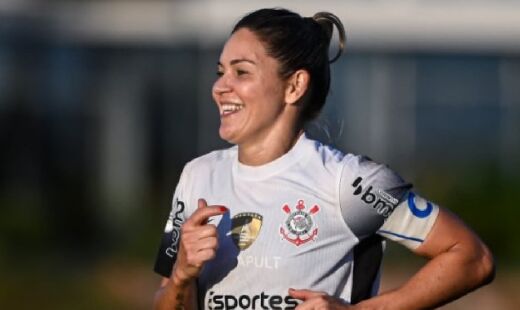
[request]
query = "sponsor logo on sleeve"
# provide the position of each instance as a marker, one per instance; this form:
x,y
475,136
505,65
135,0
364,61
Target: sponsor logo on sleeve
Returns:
x,y
173,226
299,227
382,202
419,207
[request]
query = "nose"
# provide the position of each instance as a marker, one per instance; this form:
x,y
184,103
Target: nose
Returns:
x,y
221,85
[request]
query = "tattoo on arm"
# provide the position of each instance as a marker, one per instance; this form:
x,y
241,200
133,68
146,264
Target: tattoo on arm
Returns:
x,y
180,301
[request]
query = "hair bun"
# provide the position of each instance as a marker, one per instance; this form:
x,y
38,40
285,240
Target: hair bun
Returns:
x,y
327,21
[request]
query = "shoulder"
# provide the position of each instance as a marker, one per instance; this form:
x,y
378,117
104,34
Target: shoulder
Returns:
x,y
353,168
326,156
211,160
360,171
369,193
205,164
201,168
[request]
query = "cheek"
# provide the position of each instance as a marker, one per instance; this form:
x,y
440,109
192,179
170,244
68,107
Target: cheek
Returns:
x,y
249,92
274,92
270,89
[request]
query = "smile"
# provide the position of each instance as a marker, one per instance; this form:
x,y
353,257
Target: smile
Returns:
x,y
230,108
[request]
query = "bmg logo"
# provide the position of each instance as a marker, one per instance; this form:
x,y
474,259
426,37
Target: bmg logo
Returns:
x,y
382,202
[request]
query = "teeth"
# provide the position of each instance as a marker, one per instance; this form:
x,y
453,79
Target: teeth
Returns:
x,y
228,108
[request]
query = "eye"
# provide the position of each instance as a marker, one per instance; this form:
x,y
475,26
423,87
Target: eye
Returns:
x,y
220,73
241,72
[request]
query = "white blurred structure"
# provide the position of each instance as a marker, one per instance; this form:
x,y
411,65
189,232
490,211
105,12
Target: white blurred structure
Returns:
x,y
408,25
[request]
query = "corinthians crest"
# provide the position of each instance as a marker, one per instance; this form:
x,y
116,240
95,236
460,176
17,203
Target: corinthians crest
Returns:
x,y
245,227
299,227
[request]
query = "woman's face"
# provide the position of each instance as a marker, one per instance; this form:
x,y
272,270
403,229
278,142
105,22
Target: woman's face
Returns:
x,y
249,92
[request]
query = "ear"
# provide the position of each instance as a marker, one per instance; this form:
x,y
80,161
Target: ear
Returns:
x,y
297,84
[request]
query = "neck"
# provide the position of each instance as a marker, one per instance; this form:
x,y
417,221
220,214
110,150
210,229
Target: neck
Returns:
x,y
268,149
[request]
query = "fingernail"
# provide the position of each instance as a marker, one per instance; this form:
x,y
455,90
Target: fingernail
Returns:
x,y
224,209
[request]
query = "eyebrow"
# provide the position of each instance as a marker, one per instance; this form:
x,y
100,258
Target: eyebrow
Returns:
x,y
235,61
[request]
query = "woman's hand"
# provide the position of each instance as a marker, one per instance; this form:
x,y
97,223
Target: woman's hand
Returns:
x,y
199,242
313,300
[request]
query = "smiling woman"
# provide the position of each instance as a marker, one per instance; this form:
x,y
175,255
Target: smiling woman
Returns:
x,y
312,216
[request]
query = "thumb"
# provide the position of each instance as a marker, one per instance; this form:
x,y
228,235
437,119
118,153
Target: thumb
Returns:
x,y
304,294
202,203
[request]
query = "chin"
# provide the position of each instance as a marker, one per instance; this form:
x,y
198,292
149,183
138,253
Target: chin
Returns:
x,y
227,136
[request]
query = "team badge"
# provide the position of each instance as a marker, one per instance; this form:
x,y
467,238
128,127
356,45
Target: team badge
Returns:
x,y
245,228
299,227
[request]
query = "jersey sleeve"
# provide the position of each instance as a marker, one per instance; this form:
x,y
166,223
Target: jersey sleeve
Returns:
x,y
171,237
375,199
369,193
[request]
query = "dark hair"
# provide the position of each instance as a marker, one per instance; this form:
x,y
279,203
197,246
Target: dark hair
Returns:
x,y
299,43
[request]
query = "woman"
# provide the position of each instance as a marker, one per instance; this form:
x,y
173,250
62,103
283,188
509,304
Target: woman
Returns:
x,y
281,221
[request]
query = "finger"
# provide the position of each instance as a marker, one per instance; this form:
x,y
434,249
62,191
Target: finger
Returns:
x,y
193,241
312,304
199,258
304,294
208,243
202,214
194,233
202,203
207,254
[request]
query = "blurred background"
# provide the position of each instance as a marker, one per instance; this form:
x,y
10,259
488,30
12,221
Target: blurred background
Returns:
x,y
103,102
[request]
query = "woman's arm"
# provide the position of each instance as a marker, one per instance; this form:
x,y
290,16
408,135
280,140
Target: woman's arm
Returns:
x,y
175,294
198,244
459,263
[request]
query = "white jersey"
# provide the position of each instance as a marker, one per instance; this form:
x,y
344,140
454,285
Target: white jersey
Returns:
x,y
311,219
